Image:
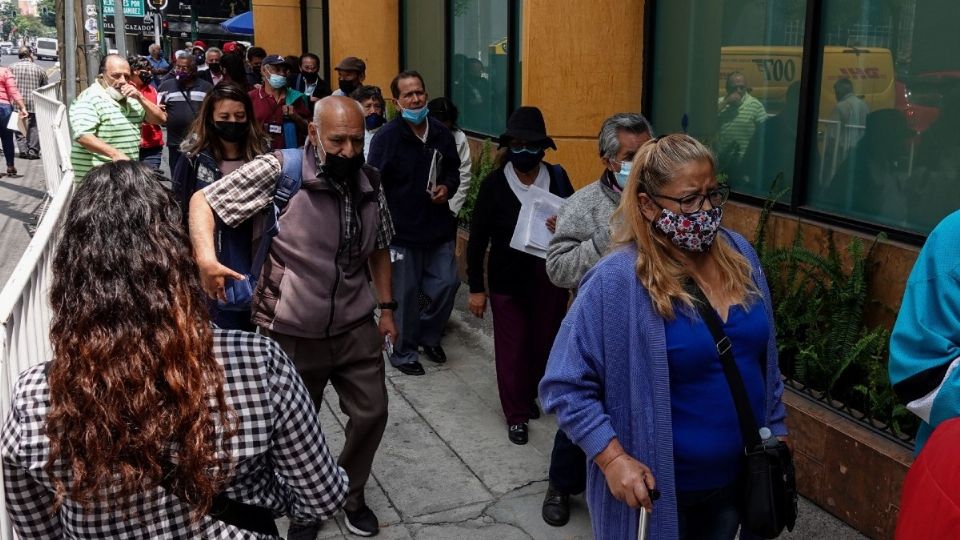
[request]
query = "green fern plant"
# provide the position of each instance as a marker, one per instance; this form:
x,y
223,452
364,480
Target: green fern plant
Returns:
x,y
485,163
822,338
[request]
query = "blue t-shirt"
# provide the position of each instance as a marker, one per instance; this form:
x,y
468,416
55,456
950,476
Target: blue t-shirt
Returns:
x,y
707,443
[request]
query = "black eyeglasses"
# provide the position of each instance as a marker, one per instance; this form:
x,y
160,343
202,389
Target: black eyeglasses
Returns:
x,y
693,203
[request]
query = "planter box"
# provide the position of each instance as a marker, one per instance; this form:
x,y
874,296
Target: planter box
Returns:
x,y
845,468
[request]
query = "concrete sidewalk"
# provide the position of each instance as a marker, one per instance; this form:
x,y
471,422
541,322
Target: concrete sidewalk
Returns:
x,y
446,469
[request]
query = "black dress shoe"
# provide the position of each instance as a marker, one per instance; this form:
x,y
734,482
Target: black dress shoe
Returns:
x,y
556,507
435,354
518,433
411,368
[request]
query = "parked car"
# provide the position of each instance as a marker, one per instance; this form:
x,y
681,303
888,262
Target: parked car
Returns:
x,y
920,97
47,48
7,48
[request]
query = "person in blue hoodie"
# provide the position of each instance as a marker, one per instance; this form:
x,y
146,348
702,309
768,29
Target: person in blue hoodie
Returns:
x,y
925,344
420,171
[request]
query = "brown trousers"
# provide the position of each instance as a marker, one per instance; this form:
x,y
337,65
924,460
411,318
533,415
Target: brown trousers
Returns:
x,y
352,362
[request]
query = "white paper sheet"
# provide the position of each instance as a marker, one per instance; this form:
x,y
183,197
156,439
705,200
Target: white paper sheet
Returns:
x,y
531,234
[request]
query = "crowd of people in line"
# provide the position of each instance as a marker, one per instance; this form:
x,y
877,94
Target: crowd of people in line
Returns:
x,y
171,409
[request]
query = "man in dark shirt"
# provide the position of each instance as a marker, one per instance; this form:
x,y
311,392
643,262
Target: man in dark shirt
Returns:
x,y
419,166
255,56
182,95
308,79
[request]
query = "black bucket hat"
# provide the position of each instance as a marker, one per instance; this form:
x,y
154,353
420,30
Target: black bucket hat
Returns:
x,y
526,123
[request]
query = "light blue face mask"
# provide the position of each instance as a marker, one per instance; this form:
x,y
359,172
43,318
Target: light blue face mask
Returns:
x,y
277,81
625,168
415,116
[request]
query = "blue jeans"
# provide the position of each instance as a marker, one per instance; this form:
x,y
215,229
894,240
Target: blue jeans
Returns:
x,y
151,157
710,514
6,136
434,271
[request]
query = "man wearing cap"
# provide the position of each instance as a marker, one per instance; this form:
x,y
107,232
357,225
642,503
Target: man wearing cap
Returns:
x,y
418,161
281,111
199,49
351,71
182,96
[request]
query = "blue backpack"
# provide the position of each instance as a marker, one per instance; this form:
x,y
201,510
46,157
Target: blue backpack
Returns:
x,y
233,247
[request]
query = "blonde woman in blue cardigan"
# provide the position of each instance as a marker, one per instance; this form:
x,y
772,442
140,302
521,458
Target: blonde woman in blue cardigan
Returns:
x,y
634,376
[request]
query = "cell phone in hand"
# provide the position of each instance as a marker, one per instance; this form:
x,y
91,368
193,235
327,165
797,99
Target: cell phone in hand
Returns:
x,y
388,345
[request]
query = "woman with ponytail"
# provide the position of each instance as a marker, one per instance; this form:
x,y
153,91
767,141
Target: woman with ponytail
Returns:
x,y
635,377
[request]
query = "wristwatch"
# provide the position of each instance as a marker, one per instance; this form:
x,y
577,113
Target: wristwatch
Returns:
x,y
391,305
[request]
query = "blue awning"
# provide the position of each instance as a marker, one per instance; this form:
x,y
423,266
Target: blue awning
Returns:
x,y
241,24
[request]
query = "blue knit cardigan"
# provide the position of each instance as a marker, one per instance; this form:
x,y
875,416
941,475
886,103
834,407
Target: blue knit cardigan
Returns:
x,y
608,377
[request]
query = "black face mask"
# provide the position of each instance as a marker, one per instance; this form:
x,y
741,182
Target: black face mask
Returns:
x,y
373,121
214,67
343,168
145,77
525,162
347,87
310,77
232,131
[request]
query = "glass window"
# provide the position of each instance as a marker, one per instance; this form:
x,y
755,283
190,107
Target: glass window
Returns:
x,y
734,85
479,61
423,47
887,143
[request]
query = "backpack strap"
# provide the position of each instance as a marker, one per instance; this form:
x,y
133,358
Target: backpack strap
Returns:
x,y
288,183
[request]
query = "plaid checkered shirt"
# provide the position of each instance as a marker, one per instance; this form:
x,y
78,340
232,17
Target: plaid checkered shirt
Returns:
x,y
282,461
246,191
29,77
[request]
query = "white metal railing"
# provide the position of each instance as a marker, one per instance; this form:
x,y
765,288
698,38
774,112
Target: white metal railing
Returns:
x,y
24,305
52,124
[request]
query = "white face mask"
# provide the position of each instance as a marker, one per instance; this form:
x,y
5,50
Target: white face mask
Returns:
x,y
115,94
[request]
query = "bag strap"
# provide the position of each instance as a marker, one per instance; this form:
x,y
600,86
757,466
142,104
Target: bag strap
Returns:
x,y
748,424
288,183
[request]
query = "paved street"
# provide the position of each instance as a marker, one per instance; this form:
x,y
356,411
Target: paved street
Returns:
x,y
20,198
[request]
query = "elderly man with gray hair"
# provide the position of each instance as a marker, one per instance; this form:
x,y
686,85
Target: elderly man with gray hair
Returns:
x,y
313,296
581,239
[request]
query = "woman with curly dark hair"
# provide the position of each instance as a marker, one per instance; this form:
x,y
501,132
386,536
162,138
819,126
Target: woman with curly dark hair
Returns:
x,y
148,422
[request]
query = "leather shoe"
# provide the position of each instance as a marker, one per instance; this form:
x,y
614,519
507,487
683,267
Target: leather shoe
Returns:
x,y
518,433
556,507
435,354
411,368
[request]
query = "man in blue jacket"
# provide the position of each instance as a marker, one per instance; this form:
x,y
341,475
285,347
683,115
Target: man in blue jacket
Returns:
x,y
419,167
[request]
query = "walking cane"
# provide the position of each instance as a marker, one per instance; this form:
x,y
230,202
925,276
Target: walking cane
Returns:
x,y
643,526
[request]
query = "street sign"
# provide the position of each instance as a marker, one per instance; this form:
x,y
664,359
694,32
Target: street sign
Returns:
x,y
132,27
131,8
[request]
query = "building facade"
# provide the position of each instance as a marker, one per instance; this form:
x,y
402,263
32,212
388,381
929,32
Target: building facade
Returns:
x,y
859,98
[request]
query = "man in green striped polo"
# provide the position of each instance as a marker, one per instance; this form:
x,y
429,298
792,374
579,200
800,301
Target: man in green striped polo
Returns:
x,y
105,118
739,115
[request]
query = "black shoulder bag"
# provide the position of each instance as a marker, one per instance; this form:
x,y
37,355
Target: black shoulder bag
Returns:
x,y
768,481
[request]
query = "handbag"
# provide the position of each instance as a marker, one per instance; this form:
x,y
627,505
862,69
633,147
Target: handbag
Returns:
x,y
767,480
